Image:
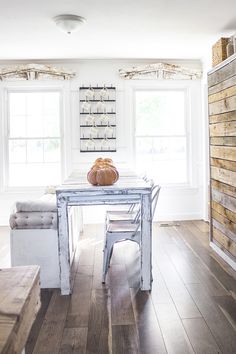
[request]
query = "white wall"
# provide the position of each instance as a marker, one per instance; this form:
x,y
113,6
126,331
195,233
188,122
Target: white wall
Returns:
x,y
183,202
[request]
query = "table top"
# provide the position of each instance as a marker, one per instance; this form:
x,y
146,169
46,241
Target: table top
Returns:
x,y
19,304
124,183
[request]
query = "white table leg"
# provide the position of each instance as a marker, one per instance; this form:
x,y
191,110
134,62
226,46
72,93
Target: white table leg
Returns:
x,y
146,242
63,239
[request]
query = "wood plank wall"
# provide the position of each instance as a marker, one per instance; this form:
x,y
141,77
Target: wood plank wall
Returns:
x,y
222,129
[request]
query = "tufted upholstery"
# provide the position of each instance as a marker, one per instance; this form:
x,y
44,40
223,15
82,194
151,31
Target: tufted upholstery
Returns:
x,y
35,214
33,220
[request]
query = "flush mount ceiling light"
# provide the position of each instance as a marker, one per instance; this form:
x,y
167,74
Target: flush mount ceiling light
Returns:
x,y
69,23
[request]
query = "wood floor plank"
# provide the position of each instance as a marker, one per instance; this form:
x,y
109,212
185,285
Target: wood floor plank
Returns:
x,y
179,255
50,335
150,336
87,249
121,306
202,225
74,341
78,312
204,255
118,276
182,300
200,336
46,296
125,340
132,264
175,337
97,268
99,336
194,265
221,328
180,295
228,306
198,233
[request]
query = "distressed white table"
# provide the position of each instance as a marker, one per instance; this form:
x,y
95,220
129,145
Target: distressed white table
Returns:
x,y
126,191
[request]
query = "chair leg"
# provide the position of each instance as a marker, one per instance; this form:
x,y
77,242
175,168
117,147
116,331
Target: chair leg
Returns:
x,y
107,253
110,256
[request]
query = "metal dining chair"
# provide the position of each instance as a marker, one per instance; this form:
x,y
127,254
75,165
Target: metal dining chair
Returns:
x,y
122,231
130,215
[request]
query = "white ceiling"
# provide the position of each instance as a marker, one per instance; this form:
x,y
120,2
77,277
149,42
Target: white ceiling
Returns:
x,y
177,29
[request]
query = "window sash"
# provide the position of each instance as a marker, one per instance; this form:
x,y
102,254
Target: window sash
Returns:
x,y
44,162
184,135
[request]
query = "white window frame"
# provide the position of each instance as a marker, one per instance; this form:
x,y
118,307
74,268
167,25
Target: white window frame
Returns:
x,y
192,112
186,128
39,86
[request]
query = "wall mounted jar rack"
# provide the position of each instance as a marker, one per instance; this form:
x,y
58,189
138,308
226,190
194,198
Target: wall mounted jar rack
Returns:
x,y
97,118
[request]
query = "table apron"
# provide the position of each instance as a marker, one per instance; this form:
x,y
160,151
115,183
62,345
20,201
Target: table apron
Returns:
x,y
99,199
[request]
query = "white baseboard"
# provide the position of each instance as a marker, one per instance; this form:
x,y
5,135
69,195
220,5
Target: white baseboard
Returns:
x,y
178,216
226,258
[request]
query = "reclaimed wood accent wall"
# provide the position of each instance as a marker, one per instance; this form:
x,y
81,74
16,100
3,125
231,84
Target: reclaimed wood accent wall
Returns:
x,y
222,131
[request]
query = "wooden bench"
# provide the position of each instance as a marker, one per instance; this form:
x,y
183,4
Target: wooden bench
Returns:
x,y
19,305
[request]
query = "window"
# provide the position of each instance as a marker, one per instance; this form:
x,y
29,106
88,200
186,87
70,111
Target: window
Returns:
x,y
161,138
34,142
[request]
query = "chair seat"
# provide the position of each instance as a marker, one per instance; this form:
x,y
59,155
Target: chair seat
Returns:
x,y
120,216
120,227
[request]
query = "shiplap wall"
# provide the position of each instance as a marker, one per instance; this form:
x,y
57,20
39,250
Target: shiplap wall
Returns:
x,y
222,131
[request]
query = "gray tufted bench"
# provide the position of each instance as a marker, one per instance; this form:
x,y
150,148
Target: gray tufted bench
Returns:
x,y
34,236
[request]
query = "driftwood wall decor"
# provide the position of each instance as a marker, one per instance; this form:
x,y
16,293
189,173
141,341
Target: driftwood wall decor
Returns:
x,y
161,71
35,72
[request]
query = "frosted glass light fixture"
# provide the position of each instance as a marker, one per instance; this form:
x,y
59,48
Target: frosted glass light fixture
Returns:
x,y
69,23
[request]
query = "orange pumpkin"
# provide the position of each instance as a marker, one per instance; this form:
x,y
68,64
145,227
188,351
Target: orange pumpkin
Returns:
x,y
107,160
106,176
103,173
98,161
92,175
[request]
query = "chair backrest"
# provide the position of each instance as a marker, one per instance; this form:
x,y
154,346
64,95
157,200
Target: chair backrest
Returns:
x,y
155,194
154,198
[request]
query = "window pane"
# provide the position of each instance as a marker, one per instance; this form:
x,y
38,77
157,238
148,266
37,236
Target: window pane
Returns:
x,y
160,112
162,158
34,151
17,103
51,108
34,125
17,126
17,151
52,150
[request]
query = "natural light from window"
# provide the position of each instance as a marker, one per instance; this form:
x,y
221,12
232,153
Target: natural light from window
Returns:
x,y
161,138
34,143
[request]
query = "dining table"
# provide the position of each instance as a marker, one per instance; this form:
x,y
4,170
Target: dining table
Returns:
x,y
127,190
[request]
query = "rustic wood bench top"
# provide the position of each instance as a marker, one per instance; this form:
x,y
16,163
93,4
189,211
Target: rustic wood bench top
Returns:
x,y
19,305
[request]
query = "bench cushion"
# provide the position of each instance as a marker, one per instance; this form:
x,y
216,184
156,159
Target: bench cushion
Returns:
x,y
46,203
35,214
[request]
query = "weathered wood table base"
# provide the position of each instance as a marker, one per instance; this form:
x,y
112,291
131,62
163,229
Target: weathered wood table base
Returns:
x,y
125,191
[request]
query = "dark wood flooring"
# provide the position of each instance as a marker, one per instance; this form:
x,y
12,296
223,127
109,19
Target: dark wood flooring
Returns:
x,y
191,308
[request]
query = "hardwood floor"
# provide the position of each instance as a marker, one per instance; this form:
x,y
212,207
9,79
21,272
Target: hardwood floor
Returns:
x,y
191,308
